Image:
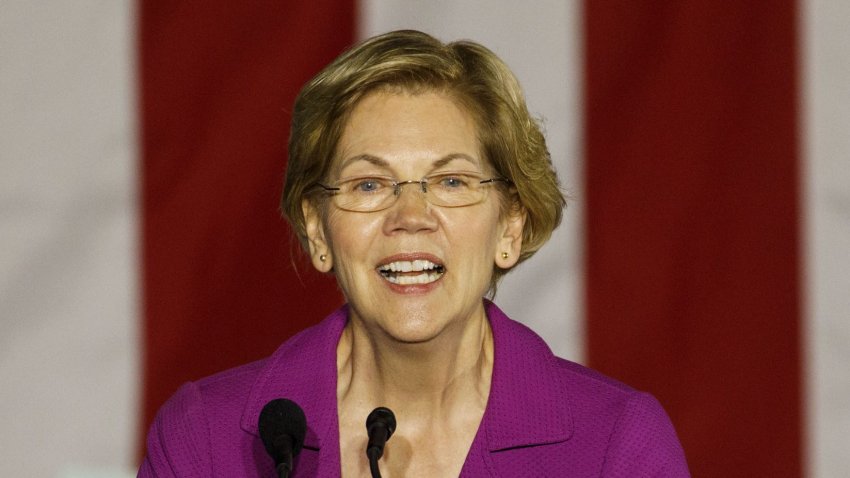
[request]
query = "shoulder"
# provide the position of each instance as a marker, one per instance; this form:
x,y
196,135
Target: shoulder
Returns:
x,y
181,439
609,428
639,438
211,423
644,442
629,428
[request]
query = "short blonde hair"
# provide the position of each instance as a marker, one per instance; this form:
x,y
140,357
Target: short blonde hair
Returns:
x,y
412,61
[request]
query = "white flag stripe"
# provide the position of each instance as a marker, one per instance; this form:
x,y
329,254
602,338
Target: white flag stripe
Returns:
x,y
540,41
825,62
68,289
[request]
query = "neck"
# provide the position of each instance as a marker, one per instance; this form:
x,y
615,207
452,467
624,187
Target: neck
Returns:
x,y
441,377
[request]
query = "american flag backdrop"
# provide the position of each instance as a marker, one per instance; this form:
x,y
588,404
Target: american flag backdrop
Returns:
x,y
703,256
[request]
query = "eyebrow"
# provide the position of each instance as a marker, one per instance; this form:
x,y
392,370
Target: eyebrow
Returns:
x,y
380,162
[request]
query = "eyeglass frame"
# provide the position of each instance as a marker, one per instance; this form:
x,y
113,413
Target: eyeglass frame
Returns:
x,y
397,186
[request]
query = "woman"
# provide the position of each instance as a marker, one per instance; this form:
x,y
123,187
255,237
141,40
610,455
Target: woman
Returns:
x,y
417,178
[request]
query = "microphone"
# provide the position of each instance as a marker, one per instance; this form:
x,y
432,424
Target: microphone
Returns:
x,y
380,425
282,428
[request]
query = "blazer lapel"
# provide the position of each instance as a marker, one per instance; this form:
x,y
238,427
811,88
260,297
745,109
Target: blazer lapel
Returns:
x,y
304,371
526,405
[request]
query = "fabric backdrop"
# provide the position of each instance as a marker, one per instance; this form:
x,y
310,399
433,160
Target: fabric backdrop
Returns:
x,y
702,258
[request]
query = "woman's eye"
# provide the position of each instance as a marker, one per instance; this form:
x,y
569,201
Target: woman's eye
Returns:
x,y
367,186
454,182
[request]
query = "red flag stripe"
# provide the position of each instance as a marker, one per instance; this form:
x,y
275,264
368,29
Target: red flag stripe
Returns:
x,y
217,81
692,222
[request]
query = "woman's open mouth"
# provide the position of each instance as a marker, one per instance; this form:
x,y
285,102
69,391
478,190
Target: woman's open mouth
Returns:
x,y
419,271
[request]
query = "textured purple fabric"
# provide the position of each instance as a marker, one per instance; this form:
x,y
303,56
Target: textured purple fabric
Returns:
x,y
545,416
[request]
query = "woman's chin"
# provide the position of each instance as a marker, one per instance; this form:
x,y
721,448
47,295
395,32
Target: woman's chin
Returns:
x,y
414,318
414,330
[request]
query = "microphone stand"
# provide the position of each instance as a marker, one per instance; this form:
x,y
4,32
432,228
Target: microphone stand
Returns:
x,y
284,468
373,465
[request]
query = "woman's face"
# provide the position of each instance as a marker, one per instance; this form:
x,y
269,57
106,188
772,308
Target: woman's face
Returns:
x,y
413,270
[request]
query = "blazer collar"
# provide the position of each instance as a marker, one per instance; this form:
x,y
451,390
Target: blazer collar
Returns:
x,y
527,404
303,370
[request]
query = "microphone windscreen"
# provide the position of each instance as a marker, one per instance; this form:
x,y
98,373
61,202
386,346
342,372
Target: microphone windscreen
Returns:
x,y
282,417
381,416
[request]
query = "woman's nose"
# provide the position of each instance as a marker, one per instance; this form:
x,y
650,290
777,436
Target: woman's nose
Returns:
x,y
411,211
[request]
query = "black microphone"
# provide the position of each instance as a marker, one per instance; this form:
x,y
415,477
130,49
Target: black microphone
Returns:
x,y
282,427
380,425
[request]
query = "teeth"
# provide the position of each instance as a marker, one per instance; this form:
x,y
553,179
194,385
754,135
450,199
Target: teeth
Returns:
x,y
418,265
423,278
423,272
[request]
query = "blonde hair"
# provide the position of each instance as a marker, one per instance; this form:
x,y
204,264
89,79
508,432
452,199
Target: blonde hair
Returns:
x,y
412,61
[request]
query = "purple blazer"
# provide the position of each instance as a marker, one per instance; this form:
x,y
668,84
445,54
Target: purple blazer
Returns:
x,y
545,416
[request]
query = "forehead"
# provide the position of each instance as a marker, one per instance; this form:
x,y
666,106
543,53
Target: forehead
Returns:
x,y
399,130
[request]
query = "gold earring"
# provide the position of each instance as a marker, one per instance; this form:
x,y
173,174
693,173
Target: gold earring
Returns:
x,y
505,255
323,257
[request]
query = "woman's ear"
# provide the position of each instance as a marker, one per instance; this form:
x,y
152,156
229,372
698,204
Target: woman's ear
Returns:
x,y
320,254
510,240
